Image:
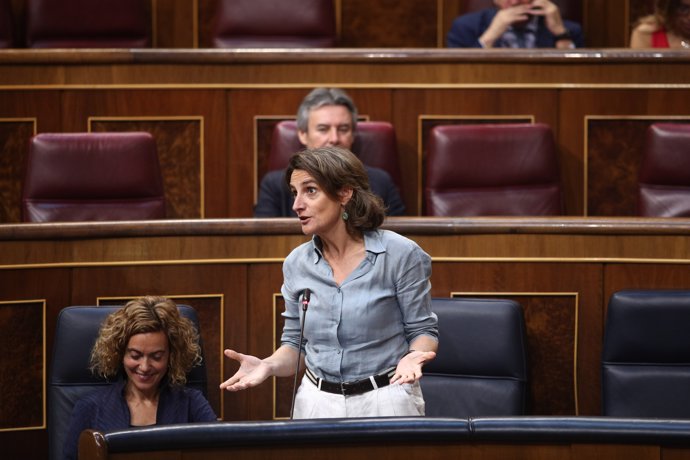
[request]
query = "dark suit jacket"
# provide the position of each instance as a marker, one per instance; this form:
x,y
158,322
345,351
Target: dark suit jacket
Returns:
x,y
275,198
466,30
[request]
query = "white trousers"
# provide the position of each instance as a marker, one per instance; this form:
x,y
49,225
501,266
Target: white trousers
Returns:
x,y
391,400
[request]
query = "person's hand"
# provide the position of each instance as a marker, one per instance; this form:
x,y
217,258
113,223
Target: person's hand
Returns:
x,y
505,17
551,13
409,368
252,372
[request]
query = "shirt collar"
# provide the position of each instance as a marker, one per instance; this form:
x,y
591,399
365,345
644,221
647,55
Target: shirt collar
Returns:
x,y
372,245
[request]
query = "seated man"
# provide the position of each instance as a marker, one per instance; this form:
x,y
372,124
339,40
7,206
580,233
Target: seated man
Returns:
x,y
515,24
326,117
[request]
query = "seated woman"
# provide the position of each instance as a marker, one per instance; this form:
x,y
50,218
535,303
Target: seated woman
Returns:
x,y
147,348
668,27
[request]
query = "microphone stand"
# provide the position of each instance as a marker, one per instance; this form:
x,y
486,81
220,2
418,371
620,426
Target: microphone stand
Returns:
x,y
305,303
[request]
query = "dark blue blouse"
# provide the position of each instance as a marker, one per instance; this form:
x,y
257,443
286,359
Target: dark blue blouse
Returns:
x,y
106,410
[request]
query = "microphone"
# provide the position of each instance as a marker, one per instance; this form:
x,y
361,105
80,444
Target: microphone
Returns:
x,y
306,295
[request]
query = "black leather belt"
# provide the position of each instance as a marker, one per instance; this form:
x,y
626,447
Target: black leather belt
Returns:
x,y
352,388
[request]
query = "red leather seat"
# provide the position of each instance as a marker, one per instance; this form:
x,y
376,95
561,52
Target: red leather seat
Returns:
x,y
492,170
664,178
6,25
99,176
88,24
375,144
274,24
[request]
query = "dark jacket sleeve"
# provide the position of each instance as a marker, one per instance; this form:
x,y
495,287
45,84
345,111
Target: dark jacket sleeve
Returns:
x,y
274,197
545,39
382,184
575,32
466,29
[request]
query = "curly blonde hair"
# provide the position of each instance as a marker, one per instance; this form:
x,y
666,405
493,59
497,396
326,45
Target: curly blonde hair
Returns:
x,y
146,314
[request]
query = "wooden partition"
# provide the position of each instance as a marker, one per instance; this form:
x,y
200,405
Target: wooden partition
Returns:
x,y
212,112
562,271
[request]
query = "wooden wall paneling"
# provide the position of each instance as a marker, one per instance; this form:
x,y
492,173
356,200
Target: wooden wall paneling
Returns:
x,y
23,371
265,305
206,12
581,105
176,23
15,134
674,453
413,448
645,276
617,452
450,9
24,375
615,148
22,114
51,284
605,24
18,8
572,144
264,126
282,386
188,125
556,298
216,291
383,23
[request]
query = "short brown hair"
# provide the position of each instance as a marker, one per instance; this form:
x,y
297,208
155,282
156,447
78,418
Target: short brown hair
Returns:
x,y
335,168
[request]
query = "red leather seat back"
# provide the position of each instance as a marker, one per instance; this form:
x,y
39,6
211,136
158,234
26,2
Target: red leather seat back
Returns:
x,y
6,25
664,179
375,144
98,176
274,24
88,24
492,170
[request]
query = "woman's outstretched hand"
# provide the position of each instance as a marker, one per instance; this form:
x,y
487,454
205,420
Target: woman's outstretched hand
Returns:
x,y
409,368
252,372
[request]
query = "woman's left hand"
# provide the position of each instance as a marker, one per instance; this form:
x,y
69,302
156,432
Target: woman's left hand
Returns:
x,y
409,368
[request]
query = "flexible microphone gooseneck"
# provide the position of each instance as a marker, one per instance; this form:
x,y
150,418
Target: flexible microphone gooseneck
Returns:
x,y
306,294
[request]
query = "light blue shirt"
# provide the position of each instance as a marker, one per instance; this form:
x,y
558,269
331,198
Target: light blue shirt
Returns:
x,y
364,325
